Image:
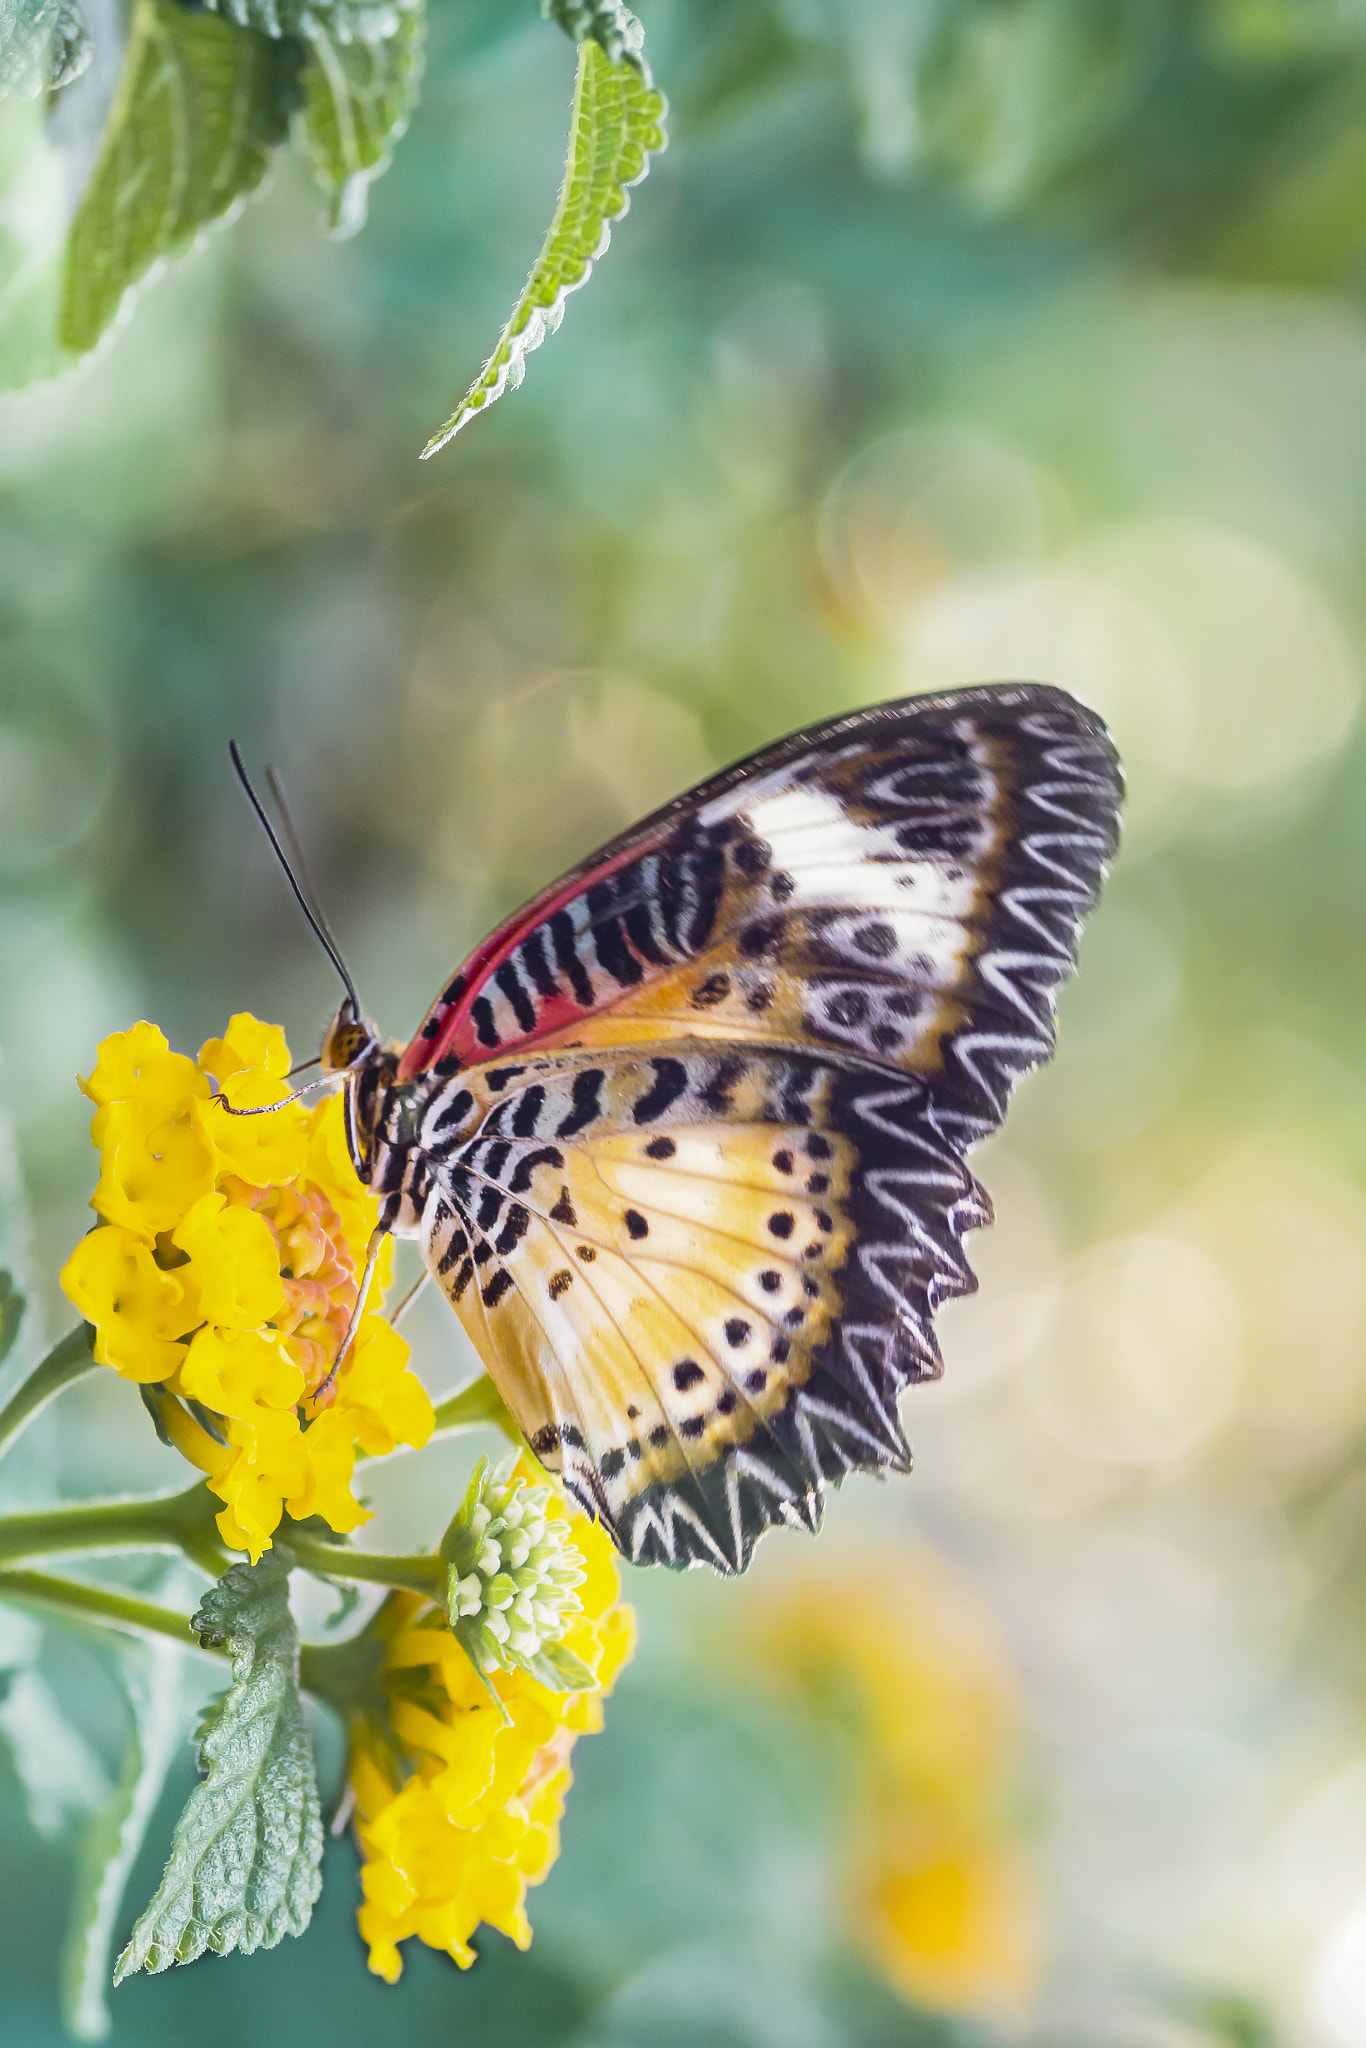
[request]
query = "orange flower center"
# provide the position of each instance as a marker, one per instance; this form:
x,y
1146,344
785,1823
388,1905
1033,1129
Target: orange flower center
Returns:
x,y
316,1268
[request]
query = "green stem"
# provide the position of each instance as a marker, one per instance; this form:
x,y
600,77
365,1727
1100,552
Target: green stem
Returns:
x,y
69,1360
70,1597
341,1673
176,1521
339,1561
475,1406
335,1672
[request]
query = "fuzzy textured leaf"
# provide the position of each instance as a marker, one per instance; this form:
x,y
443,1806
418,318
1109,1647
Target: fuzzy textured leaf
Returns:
x,y
344,21
605,22
243,1869
44,44
200,106
616,126
154,1675
357,99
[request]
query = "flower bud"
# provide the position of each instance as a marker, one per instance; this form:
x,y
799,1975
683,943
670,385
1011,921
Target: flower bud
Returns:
x,y
513,1575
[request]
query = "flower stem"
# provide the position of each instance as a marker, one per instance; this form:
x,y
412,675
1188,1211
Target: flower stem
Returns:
x,y
69,1360
477,1404
176,1521
339,1561
338,1673
341,1673
97,1602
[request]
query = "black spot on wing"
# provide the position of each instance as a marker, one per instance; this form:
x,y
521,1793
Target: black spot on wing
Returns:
x,y
670,1081
586,1102
533,958
497,1287
481,1016
510,982
526,1115
565,941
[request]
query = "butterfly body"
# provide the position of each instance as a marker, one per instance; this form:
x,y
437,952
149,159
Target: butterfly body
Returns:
x,y
684,1141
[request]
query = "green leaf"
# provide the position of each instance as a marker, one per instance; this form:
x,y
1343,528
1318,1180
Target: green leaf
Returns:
x,y
200,106
607,23
1008,97
60,1773
11,1314
357,98
615,127
243,1869
345,21
559,1670
44,44
154,1675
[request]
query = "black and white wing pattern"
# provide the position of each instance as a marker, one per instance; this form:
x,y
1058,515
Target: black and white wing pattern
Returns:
x,y
687,1137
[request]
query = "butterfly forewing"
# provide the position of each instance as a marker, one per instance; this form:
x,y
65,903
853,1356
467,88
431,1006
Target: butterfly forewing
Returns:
x,y
837,891
687,1134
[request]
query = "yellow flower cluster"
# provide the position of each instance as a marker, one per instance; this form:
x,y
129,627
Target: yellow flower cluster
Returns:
x,y
936,1886
458,1808
225,1270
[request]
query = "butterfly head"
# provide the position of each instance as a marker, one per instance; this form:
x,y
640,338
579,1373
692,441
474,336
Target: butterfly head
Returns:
x,y
352,1048
349,1041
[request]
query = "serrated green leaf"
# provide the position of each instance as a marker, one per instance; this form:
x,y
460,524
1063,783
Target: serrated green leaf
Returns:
x,y
607,23
615,128
11,1314
243,1869
153,1673
201,105
344,21
44,44
357,98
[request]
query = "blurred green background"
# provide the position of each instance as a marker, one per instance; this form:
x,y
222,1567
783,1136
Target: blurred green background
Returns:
x,y
952,340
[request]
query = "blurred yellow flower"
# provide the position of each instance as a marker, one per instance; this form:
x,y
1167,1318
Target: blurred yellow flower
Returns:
x,y
224,1273
457,1808
936,1886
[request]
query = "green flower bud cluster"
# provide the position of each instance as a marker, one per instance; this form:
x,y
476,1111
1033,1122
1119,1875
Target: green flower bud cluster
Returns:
x,y
512,1576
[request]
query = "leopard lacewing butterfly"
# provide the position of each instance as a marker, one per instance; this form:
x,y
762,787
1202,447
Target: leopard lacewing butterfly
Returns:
x,y
684,1140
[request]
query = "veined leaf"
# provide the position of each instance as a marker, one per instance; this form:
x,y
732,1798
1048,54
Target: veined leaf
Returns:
x,y
615,127
344,21
44,44
154,1674
243,1869
357,98
200,105
608,23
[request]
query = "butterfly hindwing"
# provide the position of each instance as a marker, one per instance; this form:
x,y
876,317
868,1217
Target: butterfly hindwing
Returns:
x,y
699,1279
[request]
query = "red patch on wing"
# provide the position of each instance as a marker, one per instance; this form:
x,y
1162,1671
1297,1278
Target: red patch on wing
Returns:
x,y
449,1031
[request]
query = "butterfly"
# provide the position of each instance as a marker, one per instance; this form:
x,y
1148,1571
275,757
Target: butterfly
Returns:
x,y
684,1140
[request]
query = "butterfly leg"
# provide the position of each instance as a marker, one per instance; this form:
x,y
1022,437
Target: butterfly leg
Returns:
x,y
372,1252
397,1314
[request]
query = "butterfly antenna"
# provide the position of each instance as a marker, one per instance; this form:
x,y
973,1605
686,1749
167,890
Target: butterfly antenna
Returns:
x,y
315,918
301,867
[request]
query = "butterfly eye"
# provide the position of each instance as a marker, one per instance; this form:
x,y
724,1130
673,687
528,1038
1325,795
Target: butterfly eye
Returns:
x,y
347,1040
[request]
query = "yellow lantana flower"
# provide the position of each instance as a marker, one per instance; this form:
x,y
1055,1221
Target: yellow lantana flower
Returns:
x,y
458,1807
936,1885
224,1273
